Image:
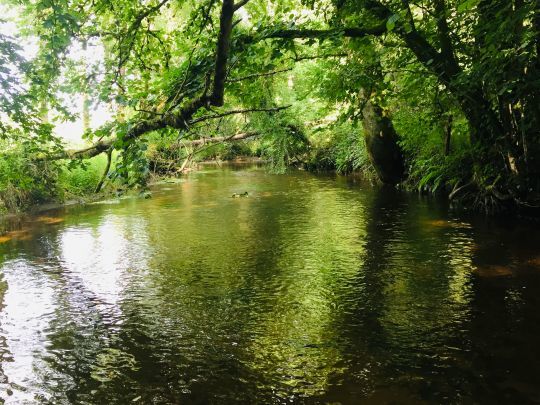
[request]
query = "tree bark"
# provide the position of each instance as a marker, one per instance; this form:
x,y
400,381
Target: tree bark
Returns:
x,y
222,53
448,135
382,144
105,172
218,139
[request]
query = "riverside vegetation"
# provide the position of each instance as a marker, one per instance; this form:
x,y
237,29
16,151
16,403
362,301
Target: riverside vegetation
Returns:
x,y
440,96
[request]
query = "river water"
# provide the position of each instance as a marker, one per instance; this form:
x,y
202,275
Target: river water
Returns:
x,y
313,289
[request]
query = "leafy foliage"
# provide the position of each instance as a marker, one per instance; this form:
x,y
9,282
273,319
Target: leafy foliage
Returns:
x,y
23,181
458,80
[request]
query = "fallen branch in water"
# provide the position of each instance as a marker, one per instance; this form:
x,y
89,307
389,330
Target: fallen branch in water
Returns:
x,y
458,190
200,145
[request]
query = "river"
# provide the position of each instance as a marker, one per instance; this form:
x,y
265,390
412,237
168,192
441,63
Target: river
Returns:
x,y
312,289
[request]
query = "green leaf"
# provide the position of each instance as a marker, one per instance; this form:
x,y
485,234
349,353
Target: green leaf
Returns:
x,y
391,23
467,5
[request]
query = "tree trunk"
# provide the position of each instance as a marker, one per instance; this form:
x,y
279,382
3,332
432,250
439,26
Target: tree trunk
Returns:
x,y
85,90
448,135
382,144
105,172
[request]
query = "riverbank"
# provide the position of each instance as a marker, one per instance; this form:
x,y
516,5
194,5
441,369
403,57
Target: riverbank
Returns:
x,y
86,195
78,186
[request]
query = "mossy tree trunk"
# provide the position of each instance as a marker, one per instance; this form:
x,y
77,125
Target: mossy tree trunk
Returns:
x,y
382,144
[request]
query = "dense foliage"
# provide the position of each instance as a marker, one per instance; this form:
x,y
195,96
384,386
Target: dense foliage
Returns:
x,y
439,95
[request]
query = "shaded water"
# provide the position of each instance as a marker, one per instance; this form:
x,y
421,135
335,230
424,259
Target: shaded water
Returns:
x,y
311,290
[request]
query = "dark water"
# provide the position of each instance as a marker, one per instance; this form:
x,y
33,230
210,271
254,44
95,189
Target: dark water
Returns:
x,y
311,290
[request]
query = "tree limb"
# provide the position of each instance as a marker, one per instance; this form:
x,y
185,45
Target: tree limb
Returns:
x,y
240,4
443,31
352,32
242,111
105,172
131,34
179,118
218,139
472,99
222,52
256,75
322,56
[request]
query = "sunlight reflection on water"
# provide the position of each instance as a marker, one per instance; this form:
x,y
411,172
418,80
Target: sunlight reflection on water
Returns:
x,y
310,289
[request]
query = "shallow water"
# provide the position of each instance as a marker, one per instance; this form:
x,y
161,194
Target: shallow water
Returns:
x,y
313,289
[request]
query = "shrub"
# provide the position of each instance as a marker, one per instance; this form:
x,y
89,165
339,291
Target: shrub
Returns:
x,y
25,182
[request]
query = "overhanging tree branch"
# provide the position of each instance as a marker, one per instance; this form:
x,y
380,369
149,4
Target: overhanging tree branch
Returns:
x,y
351,32
240,111
179,118
443,64
218,139
131,34
257,75
321,56
240,4
169,120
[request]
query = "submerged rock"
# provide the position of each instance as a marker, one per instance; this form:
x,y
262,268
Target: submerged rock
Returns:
x,y
145,194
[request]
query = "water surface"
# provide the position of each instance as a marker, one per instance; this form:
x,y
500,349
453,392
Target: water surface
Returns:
x,y
314,289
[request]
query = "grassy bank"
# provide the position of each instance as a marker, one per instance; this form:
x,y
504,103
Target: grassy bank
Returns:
x,y
26,183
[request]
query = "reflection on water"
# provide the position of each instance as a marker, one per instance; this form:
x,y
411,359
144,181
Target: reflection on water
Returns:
x,y
312,289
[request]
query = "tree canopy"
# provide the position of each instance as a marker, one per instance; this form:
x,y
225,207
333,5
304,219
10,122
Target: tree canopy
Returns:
x,y
438,95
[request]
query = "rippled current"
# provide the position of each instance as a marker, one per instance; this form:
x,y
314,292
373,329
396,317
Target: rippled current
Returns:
x,y
313,289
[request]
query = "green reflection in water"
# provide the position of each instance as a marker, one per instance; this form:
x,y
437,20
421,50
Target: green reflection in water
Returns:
x,y
312,289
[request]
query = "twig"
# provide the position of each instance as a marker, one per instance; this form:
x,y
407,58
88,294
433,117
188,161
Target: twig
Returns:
x,y
312,57
240,4
256,75
243,111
